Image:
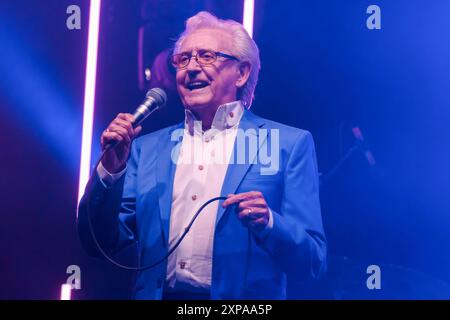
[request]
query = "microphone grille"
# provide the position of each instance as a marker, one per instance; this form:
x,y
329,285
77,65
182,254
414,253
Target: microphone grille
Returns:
x,y
159,95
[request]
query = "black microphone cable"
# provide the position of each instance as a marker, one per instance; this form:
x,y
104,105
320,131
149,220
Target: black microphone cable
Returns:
x,y
154,264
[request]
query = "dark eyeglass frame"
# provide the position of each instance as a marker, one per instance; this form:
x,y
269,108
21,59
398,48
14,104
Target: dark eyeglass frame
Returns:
x,y
216,54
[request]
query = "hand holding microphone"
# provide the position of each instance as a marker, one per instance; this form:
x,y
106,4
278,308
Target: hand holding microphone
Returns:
x,y
116,139
119,133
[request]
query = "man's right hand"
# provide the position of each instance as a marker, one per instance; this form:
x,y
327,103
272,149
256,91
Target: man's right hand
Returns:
x,y
121,131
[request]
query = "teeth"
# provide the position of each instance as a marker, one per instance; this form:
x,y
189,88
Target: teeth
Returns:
x,y
196,85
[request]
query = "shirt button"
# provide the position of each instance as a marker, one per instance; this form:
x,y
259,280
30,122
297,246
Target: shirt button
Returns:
x,y
231,114
182,265
194,197
200,167
206,140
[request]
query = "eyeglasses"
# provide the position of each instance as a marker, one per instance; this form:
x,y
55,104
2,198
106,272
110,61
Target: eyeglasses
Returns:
x,y
203,57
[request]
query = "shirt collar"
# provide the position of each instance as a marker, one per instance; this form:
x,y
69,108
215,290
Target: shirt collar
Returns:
x,y
227,116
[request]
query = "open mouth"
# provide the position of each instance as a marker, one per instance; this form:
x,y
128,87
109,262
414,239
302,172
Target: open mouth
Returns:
x,y
196,85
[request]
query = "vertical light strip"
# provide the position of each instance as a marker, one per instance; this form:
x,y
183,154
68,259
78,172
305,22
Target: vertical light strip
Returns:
x,y
66,290
140,58
89,95
249,7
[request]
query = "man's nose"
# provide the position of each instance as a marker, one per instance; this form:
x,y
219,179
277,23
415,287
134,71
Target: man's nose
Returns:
x,y
193,64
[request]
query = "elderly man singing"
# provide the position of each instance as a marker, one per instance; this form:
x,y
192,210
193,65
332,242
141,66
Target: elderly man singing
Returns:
x,y
145,191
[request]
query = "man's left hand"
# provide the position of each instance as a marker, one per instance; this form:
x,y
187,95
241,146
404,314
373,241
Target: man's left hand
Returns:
x,y
252,209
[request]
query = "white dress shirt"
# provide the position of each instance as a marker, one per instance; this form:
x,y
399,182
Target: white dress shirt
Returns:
x,y
199,175
200,171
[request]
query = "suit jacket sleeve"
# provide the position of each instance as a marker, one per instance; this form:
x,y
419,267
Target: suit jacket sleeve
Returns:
x,y
297,240
112,211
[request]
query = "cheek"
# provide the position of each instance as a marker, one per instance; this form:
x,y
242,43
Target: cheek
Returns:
x,y
179,77
180,83
222,85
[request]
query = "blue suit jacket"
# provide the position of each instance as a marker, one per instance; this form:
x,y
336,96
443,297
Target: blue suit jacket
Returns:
x,y
136,210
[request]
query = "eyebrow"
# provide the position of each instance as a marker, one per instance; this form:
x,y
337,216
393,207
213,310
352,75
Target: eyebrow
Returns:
x,y
198,49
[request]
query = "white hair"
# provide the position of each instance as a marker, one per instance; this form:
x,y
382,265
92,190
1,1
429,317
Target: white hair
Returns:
x,y
245,49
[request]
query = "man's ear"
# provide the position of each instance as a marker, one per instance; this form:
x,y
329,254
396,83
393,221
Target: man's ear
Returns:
x,y
244,72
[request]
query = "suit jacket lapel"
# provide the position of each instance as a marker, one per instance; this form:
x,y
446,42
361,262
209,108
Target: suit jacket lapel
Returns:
x,y
250,124
165,173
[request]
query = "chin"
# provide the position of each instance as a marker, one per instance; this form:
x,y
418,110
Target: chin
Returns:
x,y
196,104
197,98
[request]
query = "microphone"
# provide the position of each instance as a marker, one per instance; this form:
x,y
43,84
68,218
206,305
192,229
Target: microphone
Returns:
x,y
155,99
363,145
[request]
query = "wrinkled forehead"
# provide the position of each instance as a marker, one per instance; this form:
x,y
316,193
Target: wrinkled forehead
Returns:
x,y
212,39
